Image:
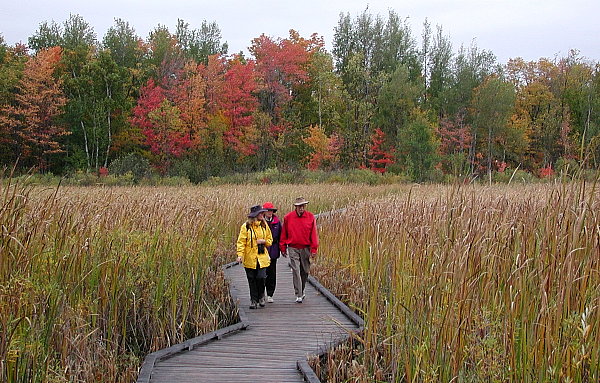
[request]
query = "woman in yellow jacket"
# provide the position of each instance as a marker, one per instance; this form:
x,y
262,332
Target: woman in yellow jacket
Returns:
x,y
255,236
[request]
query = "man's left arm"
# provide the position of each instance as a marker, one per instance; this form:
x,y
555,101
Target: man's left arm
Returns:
x,y
314,239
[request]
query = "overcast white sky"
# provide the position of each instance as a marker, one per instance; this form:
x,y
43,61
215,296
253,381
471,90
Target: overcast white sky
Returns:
x,y
530,29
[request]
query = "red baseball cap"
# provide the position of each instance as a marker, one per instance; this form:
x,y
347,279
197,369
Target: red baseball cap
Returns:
x,y
269,206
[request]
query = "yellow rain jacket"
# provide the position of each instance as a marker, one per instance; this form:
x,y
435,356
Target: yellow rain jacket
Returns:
x,y
247,247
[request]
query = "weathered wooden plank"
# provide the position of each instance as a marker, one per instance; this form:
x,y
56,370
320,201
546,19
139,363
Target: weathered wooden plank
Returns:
x,y
274,346
309,374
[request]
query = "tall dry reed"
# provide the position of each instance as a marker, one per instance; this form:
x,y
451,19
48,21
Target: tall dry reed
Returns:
x,y
94,278
469,284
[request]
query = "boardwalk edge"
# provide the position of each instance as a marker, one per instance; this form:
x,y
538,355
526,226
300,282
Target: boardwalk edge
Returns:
x,y
151,359
307,372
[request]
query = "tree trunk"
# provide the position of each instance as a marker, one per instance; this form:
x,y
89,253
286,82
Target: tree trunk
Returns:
x,y
490,154
108,121
87,150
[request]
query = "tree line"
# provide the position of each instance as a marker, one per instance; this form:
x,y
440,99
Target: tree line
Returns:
x,y
177,103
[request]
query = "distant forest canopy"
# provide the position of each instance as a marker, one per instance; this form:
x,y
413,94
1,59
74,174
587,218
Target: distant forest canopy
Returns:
x,y
176,103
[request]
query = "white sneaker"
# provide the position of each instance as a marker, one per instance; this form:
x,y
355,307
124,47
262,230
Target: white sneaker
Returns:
x,y
299,300
269,299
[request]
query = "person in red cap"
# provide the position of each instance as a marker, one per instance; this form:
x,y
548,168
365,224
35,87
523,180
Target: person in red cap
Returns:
x,y
299,241
275,226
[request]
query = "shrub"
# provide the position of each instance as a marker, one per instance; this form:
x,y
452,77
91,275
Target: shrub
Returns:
x,y
165,181
513,176
546,172
567,166
133,163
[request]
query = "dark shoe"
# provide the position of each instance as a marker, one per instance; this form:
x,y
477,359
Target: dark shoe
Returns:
x,y
253,305
261,302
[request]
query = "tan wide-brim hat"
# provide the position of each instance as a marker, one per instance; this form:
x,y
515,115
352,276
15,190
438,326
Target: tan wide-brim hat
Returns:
x,y
300,201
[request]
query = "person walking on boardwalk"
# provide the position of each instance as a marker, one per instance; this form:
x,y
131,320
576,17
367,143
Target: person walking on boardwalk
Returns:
x,y
275,226
300,241
255,236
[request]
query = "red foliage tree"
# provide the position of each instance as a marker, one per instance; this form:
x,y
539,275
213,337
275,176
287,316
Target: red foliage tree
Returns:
x,y
546,172
239,104
214,78
378,157
160,121
282,65
455,136
151,96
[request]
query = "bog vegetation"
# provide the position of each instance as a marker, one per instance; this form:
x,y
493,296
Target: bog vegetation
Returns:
x,y
456,283
468,284
92,279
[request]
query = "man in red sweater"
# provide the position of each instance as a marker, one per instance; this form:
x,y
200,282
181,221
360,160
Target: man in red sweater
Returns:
x,y
299,240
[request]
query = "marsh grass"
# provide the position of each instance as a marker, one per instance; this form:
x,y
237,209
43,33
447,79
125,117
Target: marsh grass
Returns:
x,y
94,278
469,284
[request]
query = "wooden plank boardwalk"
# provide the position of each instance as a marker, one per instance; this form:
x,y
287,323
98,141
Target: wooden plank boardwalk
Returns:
x,y
274,343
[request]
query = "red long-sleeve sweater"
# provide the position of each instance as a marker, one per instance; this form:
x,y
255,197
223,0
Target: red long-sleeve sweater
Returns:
x,y
299,232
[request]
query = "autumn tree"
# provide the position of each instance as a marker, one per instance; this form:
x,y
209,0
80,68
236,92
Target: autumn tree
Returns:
x,y
12,63
160,122
171,115
282,64
455,144
538,110
239,104
325,149
189,98
31,121
379,158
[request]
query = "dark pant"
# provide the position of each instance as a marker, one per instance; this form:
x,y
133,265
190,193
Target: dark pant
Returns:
x,y
271,280
256,282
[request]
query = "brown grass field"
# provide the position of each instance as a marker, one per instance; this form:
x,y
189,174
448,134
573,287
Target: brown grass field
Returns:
x,y
456,283
469,284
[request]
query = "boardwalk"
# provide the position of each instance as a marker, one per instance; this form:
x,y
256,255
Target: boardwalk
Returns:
x,y
275,338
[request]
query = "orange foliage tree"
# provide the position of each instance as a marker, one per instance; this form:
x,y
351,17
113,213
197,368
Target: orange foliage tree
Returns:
x,y
30,123
325,150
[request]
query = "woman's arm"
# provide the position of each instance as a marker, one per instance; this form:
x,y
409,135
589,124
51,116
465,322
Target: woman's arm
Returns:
x,y
242,242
